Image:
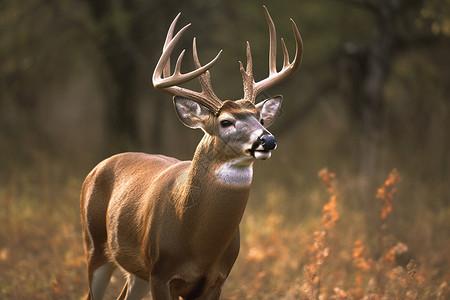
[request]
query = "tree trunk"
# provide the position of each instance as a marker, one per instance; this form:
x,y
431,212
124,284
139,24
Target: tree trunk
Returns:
x,y
371,97
123,61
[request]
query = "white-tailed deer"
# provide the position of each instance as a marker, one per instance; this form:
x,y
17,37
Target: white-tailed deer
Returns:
x,y
173,226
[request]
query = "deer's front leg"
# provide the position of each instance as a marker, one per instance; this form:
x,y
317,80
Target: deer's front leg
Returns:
x,y
161,290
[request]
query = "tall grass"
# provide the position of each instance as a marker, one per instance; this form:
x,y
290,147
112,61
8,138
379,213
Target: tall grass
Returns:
x,y
328,255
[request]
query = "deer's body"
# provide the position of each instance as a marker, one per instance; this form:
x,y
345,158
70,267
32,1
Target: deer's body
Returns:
x,y
203,222
173,226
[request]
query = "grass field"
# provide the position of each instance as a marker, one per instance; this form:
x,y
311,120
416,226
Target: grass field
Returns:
x,y
328,255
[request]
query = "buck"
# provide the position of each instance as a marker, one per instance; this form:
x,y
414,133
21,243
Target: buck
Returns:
x,y
173,226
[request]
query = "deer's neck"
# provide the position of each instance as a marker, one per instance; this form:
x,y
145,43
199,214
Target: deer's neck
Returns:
x,y
210,158
214,195
213,175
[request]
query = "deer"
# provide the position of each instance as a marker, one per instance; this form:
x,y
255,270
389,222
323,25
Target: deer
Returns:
x,y
173,226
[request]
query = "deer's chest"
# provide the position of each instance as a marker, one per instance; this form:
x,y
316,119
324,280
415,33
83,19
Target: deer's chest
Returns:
x,y
233,173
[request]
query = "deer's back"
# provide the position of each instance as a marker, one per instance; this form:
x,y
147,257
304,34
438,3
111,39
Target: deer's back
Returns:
x,y
122,171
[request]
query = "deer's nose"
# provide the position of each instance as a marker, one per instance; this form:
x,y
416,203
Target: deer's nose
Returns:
x,y
268,142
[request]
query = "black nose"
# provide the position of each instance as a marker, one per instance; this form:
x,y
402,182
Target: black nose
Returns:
x,y
268,142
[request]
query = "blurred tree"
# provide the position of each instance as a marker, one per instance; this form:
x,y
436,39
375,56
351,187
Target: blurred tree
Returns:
x,y
126,36
118,33
368,85
35,55
398,27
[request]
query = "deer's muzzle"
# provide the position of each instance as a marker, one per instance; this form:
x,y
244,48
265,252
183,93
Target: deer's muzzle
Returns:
x,y
262,147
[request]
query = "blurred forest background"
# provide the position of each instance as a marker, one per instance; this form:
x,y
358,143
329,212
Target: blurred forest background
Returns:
x,y
372,95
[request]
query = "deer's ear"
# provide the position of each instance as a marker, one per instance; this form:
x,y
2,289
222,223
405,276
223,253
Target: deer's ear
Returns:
x,y
192,114
269,109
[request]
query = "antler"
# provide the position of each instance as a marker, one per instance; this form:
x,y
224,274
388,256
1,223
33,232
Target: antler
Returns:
x,y
162,80
252,88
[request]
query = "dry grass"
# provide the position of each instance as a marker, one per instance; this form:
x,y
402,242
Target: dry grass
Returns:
x,y
329,259
328,256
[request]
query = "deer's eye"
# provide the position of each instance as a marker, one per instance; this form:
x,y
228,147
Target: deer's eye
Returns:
x,y
262,122
225,123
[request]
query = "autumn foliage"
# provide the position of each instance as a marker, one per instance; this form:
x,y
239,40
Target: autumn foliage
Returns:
x,y
386,193
324,257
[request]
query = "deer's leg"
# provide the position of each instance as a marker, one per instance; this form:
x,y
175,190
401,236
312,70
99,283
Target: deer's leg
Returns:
x,y
100,280
135,288
161,290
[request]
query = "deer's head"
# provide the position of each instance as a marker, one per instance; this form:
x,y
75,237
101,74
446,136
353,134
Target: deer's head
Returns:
x,y
239,127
